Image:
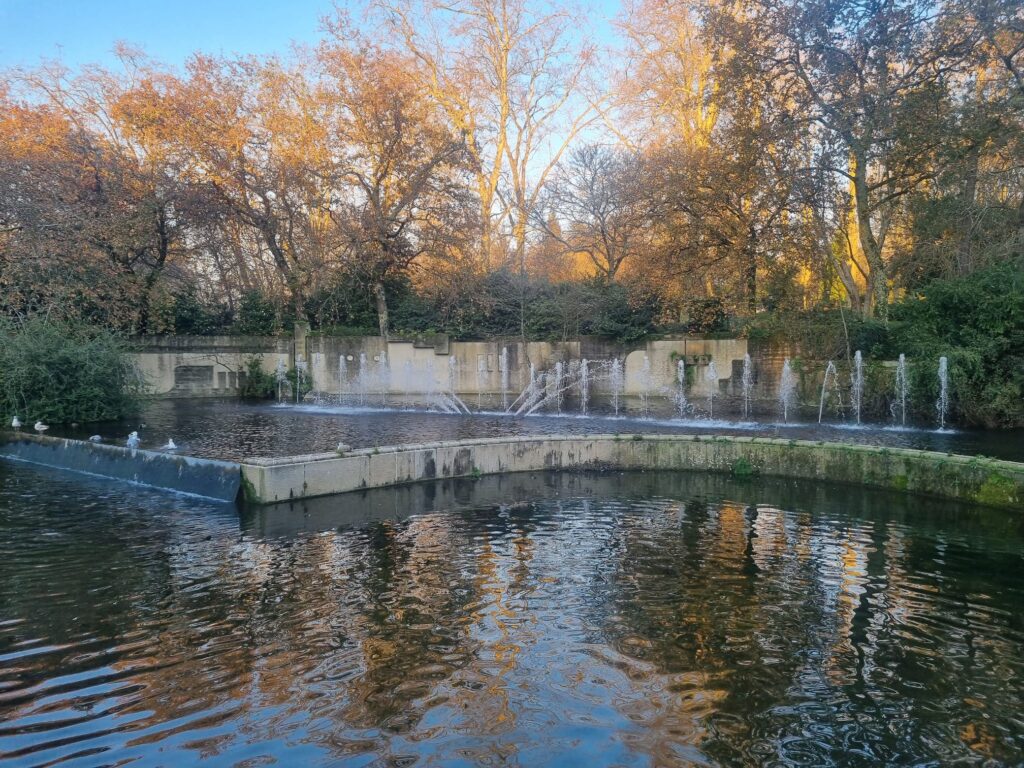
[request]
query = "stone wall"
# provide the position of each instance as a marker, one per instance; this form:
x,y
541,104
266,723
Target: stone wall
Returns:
x,y
205,366
986,481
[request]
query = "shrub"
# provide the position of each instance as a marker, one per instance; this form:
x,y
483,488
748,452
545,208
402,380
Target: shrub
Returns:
x,y
63,372
257,315
259,385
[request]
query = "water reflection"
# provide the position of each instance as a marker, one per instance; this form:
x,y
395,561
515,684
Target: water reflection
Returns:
x,y
602,620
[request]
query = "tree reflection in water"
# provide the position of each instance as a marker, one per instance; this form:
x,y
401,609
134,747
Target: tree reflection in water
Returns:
x,y
607,619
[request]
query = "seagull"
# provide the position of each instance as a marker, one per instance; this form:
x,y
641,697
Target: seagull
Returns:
x,y
95,439
133,440
15,423
40,427
170,446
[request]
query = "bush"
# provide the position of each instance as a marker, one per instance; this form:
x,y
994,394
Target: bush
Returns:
x,y
61,372
257,315
259,385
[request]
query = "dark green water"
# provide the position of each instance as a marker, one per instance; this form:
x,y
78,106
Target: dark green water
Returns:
x,y
528,620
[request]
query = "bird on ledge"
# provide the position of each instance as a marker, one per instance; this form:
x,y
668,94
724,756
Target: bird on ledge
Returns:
x,y
15,423
40,427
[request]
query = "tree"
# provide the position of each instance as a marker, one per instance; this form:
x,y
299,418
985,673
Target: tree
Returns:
x,y
398,173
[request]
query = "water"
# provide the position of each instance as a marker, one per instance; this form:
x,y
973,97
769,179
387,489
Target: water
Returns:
x,y
857,384
503,368
584,385
711,375
747,382
228,429
682,405
787,389
646,383
942,405
900,403
535,620
831,375
617,381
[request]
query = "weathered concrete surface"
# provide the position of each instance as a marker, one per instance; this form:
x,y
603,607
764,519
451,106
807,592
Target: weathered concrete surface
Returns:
x,y
986,481
184,474
205,366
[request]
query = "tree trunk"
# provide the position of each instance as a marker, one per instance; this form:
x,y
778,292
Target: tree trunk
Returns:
x,y
878,278
967,196
382,309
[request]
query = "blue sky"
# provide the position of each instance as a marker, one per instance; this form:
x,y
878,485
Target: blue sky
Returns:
x,y
85,31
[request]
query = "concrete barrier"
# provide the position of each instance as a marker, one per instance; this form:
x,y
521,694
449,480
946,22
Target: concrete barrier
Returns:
x,y
183,474
974,479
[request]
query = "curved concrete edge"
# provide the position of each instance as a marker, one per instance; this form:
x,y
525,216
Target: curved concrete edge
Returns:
x,y
975,479
207,478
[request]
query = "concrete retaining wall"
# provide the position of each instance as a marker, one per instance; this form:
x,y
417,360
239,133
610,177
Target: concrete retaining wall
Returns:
x,y
986,481
184,474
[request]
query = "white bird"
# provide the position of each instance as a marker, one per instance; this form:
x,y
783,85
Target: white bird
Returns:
x,y
16,423
40,427
170,446
95,439
133,440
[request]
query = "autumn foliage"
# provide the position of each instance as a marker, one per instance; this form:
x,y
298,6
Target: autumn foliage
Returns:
x,y
749,154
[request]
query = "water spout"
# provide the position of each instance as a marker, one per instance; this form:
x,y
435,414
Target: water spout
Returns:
x,y
787,389
711,376
830,372
584,385
942,405
857,384
901,390
503,368
616,381
747,381
681,404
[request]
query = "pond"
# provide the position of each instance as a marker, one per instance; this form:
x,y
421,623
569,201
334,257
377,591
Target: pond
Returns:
x,y
229,429
595,619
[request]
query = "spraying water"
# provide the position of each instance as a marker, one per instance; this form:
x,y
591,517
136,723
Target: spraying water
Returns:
x,y
830,374
787,389
281,376
711,376
681,403
645,382
616,381
503,368
747,381
342,374
300,377
584,385
901,390
362,378
857,384
481,378
942,405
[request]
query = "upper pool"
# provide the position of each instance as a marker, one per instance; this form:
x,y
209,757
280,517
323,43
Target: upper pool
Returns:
x,y
228,429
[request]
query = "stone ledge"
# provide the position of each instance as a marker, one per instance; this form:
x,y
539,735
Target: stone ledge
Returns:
x,y
987,481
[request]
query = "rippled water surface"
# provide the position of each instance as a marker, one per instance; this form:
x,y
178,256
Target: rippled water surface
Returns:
x,y
528,620
228,429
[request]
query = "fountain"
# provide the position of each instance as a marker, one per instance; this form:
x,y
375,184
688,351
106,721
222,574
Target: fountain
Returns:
x,y
857,384
901,390
481,378
616,382
584,385
300,377
830,373
503,368
559,368
681,405
281,376
942,405
747,381
787,389
645,383
711,376
362,378
342,374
